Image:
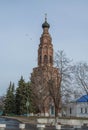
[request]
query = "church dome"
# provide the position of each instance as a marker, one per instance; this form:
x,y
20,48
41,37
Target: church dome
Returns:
x,y
45,25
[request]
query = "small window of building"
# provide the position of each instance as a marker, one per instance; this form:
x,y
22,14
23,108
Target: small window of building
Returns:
x,y
85,110
70,110
52,110
81,110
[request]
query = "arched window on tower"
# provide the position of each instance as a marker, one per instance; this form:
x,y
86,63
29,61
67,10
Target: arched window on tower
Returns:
x,y
45,59
51,60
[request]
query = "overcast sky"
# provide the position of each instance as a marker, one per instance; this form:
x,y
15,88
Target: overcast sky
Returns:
x,y
20,31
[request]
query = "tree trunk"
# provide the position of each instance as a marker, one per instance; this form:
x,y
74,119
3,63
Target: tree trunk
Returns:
x,y
56,111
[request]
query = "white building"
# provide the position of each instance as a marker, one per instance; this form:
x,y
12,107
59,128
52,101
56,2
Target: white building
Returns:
x,y
78,108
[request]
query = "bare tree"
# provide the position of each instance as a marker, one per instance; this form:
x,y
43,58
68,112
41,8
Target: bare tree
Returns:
x,y
61,89
54,91
80,73
64,65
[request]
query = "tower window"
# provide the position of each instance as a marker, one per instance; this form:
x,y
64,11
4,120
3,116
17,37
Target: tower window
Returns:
x,y
51,61
45,59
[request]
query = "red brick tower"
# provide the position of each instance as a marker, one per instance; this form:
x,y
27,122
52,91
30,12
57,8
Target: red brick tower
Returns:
x,y
45,51
45,70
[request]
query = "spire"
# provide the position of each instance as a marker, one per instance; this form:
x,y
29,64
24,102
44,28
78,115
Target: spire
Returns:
x,y
45,17
45,24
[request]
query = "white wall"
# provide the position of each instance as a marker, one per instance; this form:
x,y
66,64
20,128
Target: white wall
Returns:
x,y
76,109
73,107
64,121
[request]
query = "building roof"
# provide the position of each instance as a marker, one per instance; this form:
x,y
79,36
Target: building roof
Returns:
x,y
84,98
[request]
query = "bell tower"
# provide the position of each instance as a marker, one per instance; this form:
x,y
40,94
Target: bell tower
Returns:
x,y
44,71
45,51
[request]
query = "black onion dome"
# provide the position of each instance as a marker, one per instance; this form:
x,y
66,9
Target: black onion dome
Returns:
x,y
45,25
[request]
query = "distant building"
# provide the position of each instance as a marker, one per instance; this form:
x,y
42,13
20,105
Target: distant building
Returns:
x,y
78,108
45,70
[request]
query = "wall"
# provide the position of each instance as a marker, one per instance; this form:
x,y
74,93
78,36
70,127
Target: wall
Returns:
x,y
76,109
64,121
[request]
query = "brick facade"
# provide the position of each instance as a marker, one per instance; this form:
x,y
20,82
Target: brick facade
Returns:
x,y
45,70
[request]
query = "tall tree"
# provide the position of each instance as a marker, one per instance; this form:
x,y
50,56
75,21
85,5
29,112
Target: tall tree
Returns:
x,y
60,89
20,97
64,65
23,97
10,100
